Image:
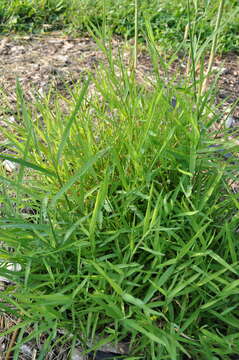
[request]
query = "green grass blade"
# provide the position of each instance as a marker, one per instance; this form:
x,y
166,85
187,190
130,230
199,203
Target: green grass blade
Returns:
x,y
83,170
71,120
27,164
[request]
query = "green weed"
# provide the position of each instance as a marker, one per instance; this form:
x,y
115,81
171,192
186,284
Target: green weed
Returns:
x,y
132,232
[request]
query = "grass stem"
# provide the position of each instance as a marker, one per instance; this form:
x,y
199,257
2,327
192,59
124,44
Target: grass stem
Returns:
x,y
214,45
136,9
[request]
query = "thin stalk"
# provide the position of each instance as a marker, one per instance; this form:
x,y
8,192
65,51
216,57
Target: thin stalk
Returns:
x,y
186,32
136,4
192,53
104,20
214,45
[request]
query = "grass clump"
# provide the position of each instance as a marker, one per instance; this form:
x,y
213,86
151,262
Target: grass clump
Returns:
x,y
131,228
120,217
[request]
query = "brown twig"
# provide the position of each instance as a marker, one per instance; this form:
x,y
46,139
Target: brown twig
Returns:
x,y
12,342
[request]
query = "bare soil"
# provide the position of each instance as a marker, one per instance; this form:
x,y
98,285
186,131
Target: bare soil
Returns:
x,y
40,62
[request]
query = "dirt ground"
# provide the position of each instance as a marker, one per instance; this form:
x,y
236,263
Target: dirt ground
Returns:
x,y
40,62
56,60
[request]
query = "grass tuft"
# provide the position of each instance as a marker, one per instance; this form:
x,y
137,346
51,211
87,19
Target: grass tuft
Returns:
x,y
121,217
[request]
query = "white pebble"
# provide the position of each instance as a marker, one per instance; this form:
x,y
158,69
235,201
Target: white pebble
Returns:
x,y
229,122
10,166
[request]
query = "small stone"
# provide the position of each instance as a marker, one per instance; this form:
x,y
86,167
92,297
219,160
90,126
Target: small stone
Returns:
x,y
229,122
26,350
2,348
63,58
10,267
11,119
10,166
77,355
14,267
